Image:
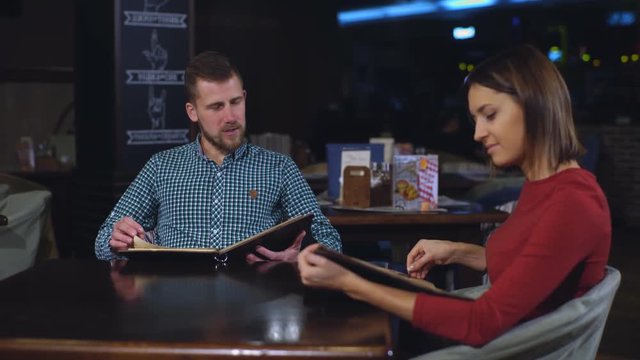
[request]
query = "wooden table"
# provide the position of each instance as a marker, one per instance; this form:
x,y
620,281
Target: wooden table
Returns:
x,y
341,218
84,309
359,229
408,228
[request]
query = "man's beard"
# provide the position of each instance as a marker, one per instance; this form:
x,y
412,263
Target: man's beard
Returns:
x,y
219,143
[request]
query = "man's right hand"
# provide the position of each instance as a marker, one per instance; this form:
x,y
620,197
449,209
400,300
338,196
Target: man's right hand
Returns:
x,y
123,232
289,254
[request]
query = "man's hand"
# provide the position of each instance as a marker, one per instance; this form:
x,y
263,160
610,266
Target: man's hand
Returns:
x,y
123,232
289,254
124,284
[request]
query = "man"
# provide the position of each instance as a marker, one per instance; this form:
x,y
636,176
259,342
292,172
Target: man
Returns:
x,y
218,189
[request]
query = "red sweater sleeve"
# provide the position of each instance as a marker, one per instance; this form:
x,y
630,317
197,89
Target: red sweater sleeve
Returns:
x,y
564,252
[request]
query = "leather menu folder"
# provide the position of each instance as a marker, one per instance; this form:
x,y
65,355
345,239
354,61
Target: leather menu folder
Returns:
x,y
276,238
384,276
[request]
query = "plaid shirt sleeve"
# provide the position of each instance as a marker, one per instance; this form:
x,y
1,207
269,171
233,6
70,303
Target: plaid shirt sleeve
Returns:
x,y
298,199
139,202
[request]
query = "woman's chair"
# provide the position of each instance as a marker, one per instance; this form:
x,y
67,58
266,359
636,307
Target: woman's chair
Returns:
x,y
573,331
495,191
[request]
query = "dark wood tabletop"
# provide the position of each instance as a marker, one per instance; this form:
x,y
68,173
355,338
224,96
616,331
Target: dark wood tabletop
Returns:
x,y
85,309
404,229
359,218
361,232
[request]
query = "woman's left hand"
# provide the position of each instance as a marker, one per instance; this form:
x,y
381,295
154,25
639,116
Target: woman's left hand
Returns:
x,y
318,271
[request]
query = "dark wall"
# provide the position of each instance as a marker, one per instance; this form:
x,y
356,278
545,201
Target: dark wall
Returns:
x,y
406,76
309,77
95,89
36,34
287,51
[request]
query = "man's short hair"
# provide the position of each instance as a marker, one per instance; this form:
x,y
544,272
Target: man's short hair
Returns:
x,y
209,66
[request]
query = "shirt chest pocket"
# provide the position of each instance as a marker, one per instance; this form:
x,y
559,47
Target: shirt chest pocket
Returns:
x,y
255,200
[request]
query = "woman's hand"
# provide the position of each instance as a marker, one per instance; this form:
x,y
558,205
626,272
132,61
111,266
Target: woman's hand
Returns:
x,y
428,253
318,271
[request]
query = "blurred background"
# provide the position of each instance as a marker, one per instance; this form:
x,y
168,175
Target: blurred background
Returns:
x,y
318,72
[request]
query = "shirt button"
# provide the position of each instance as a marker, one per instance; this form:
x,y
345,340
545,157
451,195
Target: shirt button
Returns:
x,y
216,231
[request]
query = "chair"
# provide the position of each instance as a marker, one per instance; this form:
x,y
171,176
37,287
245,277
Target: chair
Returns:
x,y
4,194
496,191
28,236
573,331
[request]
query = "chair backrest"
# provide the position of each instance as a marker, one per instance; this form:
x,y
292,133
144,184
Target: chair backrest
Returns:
x,y
4,194
28,238
18,184
496,191
573,331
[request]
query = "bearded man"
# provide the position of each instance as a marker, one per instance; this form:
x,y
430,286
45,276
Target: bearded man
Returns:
x,y
219,189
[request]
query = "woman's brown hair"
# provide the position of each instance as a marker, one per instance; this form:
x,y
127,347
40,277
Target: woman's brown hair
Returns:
x,y
538,87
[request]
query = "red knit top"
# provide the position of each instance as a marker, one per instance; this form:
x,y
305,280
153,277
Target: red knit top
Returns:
x,y
552,248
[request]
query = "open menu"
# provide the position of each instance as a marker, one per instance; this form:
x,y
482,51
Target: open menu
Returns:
x,y
276,238
383,276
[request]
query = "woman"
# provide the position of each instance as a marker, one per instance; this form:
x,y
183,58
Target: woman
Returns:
x,y
554,246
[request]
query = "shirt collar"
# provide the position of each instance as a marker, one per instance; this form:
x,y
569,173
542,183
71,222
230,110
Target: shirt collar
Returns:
x,y
236,154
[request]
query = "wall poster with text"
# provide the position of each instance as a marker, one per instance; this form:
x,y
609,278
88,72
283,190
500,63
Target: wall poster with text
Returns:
x,y
152,51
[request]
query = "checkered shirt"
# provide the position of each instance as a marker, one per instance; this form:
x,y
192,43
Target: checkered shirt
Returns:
x,y
190,201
